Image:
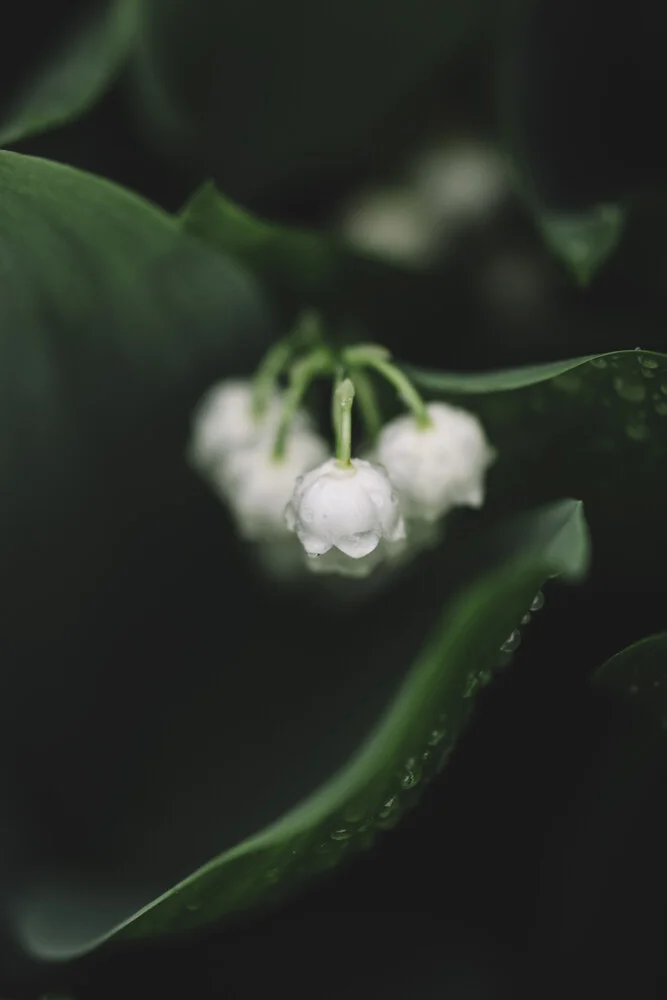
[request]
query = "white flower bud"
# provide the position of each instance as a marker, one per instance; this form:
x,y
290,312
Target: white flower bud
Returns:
x,y
463,181
258,486
224,420
437,467
349,508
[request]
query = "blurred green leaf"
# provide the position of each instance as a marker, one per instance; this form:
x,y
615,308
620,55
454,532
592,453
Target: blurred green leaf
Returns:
x,y
111,324
298,267
593,427
639,675
584,240
267,93
547,164
404,751
76,76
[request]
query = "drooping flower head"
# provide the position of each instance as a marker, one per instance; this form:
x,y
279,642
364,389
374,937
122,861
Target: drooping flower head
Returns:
x,y
349,507
438,465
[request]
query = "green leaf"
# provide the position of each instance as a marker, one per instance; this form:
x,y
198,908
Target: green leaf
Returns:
x,y
297,267
593,427
584,240
76,76
638,675
264,94
407,746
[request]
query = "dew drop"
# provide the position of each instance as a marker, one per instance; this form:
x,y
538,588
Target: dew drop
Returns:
x,y
512,642
537,602
526,620
647,362
342,833
389,807
411,774
630,390
637,431
436,736
569,382
471,686
599,362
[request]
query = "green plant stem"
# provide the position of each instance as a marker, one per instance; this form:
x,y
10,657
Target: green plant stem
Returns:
x,y
368,404
301,375
374,356
343,400
272,364
306,334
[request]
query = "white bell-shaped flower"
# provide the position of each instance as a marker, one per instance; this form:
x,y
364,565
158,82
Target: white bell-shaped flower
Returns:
x,y
352,508
462,181
258,486
437,467
224,420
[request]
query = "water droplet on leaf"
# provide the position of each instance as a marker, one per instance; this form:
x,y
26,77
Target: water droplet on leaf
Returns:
x,y
537,602
629,390
512,642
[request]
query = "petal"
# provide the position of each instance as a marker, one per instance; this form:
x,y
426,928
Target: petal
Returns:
x,y
313,545
358,545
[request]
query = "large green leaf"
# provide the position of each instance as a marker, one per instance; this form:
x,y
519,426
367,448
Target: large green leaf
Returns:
x,y
267,93
76,76
112,322
638,675
594,427
493,578
299,267
603,870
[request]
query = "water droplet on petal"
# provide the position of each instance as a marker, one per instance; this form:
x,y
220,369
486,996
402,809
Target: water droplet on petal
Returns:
x,y
647,362
599,362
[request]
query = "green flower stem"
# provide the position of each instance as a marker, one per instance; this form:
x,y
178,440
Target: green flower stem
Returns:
x,y
368,404
343,400
272,364
307,334
377,357
300,377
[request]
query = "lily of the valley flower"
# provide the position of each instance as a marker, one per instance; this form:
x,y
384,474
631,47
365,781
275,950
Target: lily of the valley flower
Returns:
x,y
351,507
438,465
258,485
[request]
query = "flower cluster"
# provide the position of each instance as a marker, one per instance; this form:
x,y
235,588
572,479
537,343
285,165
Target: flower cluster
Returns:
x,y
260,450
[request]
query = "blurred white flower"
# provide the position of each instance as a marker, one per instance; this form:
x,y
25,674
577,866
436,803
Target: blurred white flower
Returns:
x,y
350,508
258,486
224,420
461,182
391,223
437,467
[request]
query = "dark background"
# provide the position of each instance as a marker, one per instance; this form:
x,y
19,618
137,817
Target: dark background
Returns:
x,y
536,863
